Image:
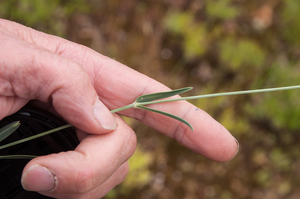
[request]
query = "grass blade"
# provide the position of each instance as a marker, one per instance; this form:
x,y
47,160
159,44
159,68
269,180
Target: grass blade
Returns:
x,y
161,95
8,130
166,114
17,157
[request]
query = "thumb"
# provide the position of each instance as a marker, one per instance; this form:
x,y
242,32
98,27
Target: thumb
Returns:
x,y
31,72
77,101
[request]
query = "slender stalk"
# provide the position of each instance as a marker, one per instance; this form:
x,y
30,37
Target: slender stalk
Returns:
x,y
35,136
123,108
54,130
222,94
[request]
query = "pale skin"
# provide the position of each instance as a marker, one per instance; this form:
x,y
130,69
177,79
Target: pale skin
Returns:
x,y
82,85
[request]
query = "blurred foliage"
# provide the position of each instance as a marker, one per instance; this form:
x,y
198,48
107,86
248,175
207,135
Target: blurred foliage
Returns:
x,y
214,46
283,114
138,175
194,42
291,21
221,9
42,14
241,53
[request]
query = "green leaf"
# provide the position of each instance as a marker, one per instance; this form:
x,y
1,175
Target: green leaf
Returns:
x,y
166,114
18,156
161,95
8,130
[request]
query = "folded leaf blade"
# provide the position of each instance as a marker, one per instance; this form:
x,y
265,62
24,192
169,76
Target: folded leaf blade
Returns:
x,y
8,130
6,157
167,114
161,95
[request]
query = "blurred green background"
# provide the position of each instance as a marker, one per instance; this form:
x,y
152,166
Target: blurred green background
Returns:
x,y
214,46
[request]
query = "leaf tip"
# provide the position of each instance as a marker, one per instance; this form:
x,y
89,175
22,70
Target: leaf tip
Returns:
x,y
189,125
16,124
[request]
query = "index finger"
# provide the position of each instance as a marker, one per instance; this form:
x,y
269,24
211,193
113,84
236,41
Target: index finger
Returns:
x,y
118,85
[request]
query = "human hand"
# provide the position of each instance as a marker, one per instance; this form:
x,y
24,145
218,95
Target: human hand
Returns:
x,y
37,66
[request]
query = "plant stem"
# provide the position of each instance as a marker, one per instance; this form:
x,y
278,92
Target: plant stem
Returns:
x,y
35,136
123,108
221,94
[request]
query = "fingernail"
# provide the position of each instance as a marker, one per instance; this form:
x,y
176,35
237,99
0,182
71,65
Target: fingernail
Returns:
x,y
104,117
38,178
238,148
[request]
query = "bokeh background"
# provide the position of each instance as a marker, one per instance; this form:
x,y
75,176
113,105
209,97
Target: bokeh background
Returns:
x,y
214,46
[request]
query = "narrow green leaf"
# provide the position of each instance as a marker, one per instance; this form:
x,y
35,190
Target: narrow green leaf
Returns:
x,y
166,114
18,156
161,95
8,130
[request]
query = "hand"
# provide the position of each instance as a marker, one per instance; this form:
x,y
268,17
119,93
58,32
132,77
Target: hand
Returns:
x,y
82,86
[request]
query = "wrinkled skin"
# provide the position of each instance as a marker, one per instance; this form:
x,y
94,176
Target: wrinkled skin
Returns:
x,y
81,86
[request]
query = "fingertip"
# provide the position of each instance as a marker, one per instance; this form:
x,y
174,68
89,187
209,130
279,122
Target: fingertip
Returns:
x,y
210,139
229,146
225,148
38,178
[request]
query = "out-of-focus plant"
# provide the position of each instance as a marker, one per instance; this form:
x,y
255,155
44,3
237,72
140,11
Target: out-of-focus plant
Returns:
x,y
138,175
194,38
42,14
221,9
284,115
241,53
291,21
